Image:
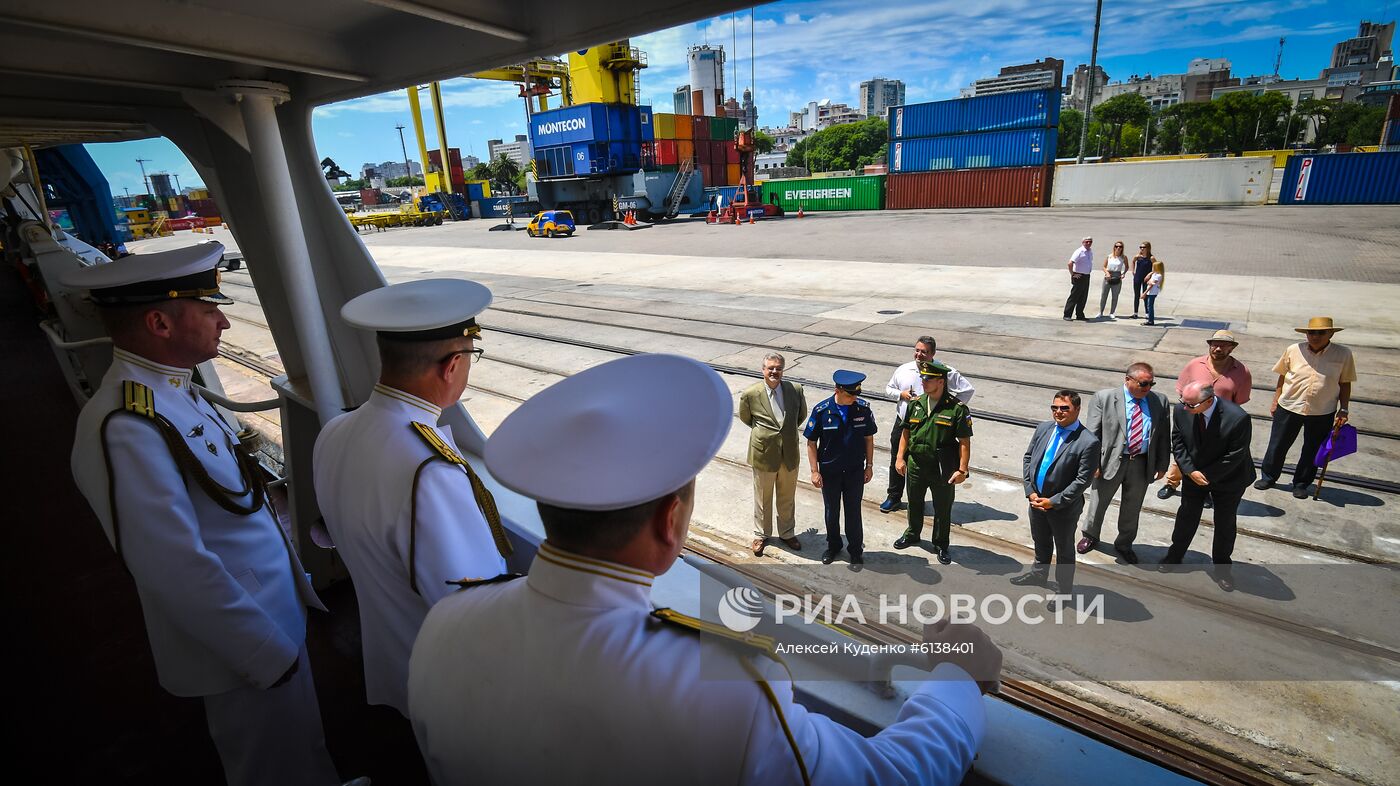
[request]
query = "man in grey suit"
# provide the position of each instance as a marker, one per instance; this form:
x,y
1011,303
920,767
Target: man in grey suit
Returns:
x,y
1058,466
772,409
1133,428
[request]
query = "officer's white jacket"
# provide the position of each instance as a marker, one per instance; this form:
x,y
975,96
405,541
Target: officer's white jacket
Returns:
x,y
563,677
223,595
364,466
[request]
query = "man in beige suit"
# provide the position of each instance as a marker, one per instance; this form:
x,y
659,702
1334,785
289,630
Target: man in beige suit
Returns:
x,y
772,409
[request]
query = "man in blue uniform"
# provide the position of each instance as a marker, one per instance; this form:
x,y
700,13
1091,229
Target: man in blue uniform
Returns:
x,y
841,452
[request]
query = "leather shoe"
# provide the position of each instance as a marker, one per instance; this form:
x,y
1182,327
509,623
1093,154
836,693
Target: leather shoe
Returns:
x,y
1300,492
758,545
828,557
792,543
1129,556
1263,484
1224,582
1208,503
1033,578
1165,492
943,558
1086,543
906,540
890,504
1167,566
857,559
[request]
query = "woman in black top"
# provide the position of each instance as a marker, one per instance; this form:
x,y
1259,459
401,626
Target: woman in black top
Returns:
x,y
1142,268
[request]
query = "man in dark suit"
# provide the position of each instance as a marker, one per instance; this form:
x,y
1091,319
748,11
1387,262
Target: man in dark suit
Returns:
x,y
1131,423
1058,466
1210,439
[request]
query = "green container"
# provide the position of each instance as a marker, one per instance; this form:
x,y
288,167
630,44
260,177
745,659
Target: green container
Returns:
x,y
827,193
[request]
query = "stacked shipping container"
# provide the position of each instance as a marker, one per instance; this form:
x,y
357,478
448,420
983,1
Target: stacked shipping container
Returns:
x,y
1342,179
827,193
708,142
986,151
590,139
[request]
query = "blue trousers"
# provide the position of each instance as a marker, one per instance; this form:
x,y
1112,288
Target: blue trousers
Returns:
x,y
1151,308
843,488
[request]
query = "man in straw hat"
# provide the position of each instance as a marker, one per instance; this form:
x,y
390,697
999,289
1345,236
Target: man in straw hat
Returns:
x,y
408,514
1313,391
223,593
1227,376
573,675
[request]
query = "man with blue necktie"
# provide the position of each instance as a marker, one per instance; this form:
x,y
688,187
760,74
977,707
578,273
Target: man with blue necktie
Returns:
x,y
1058,467
1133,428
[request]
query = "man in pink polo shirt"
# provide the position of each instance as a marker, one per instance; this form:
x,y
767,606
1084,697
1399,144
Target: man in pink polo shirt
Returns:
x,y
1229,377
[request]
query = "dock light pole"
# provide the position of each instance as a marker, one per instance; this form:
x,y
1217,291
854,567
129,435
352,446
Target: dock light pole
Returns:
x,y
407,170
141,162
1089,92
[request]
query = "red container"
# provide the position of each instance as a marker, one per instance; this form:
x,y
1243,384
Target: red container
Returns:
x,y
702,153
701,126
1027,186
731,152
717,175
717,153
666,154
369,197
1392,109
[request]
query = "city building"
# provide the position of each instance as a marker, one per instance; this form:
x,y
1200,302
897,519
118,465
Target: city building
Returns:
x,y
746,113
706,79
1203,75
822,114
680,100
1027,76
879,94
773,160
1077,86
1372,42
517,151
785,138
468,163
389,170
1357,64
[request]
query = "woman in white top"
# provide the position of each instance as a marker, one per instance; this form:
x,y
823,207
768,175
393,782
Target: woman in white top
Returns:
x,y
1153,288
1114,266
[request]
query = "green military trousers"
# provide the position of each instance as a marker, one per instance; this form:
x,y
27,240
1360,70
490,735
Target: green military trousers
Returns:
x,y
920,481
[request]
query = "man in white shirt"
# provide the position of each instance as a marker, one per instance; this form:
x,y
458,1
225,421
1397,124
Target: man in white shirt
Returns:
x,y
1081,266
407,512
906,384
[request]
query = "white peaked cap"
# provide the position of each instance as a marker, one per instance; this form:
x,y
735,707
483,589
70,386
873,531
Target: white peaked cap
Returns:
x,y
617,435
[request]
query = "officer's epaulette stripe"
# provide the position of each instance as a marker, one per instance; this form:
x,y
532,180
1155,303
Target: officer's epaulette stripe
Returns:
x,y
435,441
138,399
766,644
469,583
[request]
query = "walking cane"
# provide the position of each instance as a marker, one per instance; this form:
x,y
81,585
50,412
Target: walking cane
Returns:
x,y
1322,471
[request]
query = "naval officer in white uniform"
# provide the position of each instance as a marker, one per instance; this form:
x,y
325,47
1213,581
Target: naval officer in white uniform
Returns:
x,y
223,593
406,512
567,676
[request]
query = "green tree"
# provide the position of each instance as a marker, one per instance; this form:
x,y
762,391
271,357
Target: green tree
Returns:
x,y
1071,121
1119,111
504,172
350,185
480,172
1242,117
847,146
763,142
401,182
1346,124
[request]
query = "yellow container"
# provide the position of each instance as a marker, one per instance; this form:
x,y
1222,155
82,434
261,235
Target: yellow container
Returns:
x,y
685,127
1280,157
731,173
665,125
685,150
199,193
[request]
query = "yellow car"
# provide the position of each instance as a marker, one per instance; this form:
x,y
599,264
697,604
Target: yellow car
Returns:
x,y
551,223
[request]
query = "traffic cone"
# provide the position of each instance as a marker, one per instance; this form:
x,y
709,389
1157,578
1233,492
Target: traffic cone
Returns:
x,y
736,218
799,210
751,218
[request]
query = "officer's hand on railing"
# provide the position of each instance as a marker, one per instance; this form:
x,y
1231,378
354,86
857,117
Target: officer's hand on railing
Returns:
x,y
816,479
968,647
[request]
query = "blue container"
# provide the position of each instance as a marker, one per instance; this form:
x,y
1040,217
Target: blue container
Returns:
x,y
475,192
644,120
1000,112
1342,179
500,207
585,123
585,159
994,149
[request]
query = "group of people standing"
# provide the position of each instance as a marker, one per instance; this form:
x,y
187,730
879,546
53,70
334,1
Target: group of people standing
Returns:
x,y
1115,445
1148,275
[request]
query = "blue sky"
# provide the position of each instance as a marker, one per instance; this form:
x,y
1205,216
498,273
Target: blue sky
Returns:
x,y
812,49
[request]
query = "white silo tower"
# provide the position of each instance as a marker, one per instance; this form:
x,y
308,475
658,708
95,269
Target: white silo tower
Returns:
x,y
706,80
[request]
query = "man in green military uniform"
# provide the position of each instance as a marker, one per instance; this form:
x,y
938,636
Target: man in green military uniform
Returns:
x,y
933,456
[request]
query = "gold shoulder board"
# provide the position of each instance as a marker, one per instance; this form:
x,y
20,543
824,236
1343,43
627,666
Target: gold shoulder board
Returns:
x,y
766,644
436,442
138,399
